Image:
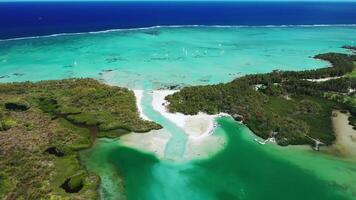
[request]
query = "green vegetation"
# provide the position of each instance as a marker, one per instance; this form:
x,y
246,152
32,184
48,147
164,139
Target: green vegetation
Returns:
x,y
286,103
352,121
352,74
4,183
43,126
6,123
75,183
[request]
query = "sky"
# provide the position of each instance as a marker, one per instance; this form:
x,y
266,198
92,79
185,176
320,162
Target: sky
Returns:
x,y
194,0
190,0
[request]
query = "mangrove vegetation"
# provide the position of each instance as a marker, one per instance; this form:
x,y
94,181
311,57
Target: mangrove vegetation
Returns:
x,y
43,125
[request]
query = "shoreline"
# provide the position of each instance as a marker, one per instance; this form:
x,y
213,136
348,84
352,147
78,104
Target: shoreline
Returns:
x,y
139,94
199,128
195,126
345,143
201,143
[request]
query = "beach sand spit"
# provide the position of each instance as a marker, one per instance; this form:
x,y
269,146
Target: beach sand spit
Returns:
x,y
199,128
139,95
195,126
201,143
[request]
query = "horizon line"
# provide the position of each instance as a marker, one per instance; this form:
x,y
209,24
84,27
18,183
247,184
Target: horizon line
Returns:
x,y
217,1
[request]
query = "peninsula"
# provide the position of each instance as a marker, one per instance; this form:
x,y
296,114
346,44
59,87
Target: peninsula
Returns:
x,y
294,107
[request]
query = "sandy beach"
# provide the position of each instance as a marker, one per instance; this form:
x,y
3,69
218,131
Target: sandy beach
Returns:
x,y
345,143
154,141
200,143
138,95
195,126
324,79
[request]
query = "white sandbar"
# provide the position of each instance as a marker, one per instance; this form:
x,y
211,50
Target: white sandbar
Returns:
x,y
139,95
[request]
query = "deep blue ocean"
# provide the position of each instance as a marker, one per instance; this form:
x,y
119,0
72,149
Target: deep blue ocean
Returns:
x,y
45,18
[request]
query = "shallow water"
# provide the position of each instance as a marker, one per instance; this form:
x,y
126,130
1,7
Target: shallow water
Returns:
x,y
244,169
170,55
175,147
154,58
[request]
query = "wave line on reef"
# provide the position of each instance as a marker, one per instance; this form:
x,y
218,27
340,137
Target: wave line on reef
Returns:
x,y
175,26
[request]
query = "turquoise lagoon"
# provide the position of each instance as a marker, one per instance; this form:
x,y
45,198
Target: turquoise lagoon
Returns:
x,y
158,57
244,169
170,55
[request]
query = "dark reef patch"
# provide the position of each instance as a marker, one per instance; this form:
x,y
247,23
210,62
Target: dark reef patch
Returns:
x,y
108,70
18,74
4,76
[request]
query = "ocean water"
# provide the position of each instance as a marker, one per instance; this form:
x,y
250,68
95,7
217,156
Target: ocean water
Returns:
x,y
242,170
158,57
44,18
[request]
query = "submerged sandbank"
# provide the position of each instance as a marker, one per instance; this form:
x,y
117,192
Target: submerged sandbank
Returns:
x,y
153,142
